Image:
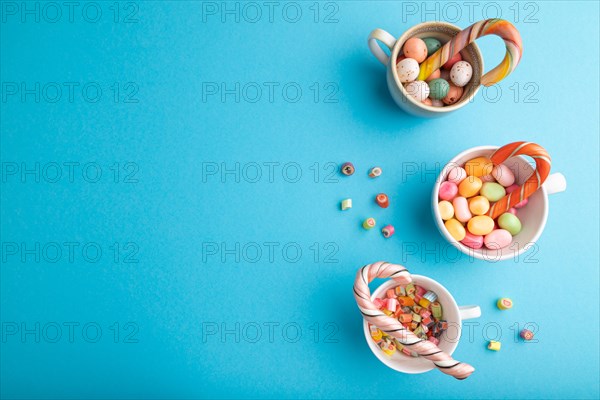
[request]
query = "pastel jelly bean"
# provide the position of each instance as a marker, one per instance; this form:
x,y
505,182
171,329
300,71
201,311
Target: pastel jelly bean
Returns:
x,y
510,222
461,73
472,241
454,95
479,205
418,89
461,209
512,210
456,230
432,45
512,188
487,178
346,204
415,48
503,175
493,191
497,239
479,166
481,225
448,190
408,70
522,203
504,303
456,174
446,209
470,186
438,88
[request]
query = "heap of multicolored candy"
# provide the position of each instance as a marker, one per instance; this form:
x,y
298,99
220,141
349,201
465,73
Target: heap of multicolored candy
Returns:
x,y
444,86
418,66
416,309
474,202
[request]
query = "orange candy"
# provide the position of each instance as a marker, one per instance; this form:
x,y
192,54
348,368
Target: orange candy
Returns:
x,y
479,167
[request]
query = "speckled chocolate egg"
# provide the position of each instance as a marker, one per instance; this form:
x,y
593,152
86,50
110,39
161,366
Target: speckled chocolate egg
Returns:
x,y
454,95
408,70
418,89
432,44
415,48
434,75
461,73
438,89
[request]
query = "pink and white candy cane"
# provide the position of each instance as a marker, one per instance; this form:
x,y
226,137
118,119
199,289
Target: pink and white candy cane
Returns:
x,y
443,361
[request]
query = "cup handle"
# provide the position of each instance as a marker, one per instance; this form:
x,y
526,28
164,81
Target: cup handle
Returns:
x,y
555,183
385,38
469,312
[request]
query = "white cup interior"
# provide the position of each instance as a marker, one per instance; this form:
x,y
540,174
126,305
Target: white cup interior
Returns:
x,y
448,340
533,216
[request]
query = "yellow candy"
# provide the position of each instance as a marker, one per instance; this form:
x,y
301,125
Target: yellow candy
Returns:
x,y
456,230
446,210
479,166
480,225
470,186
377,335
479,205
494,345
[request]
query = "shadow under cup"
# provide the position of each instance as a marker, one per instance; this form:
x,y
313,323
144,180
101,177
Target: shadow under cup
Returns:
x,y
443,32
448,340
533,216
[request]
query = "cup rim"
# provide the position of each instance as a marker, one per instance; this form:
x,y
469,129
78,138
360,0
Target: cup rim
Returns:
x,y
477,253
425,281
394,55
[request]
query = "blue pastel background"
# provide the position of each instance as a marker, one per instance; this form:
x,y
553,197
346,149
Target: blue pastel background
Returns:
x,y
178,221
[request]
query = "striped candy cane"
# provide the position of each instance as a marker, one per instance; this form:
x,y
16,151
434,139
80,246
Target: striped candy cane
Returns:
x,y
495,26
442,360
533,183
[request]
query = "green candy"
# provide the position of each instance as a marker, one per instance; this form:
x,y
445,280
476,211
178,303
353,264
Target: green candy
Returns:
x,y
438,88
510,222
432,45
492,191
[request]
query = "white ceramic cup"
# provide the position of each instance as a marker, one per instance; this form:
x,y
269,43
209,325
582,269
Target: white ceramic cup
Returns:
x,y
453,314
533,216
442,31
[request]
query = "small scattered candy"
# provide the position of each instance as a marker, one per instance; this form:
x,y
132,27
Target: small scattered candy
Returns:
x,y
455,228
493,191
453,60
503,175
418,89
526,334
448,190
446,210
470,187
375,172
461,73
387,231
497,239
510,222
461,209
432,45
408,70
454,95
479,166
369,223
472,241
494,345
382,200
481,225
504,303
346,204
456,175
415,48
347,168
438,89
479,205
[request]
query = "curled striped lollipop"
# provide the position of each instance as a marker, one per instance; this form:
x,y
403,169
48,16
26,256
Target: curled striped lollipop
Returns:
x,y
533,183
442,360
494,26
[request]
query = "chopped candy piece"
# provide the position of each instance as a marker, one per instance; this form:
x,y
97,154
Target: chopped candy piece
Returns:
x,y
494,345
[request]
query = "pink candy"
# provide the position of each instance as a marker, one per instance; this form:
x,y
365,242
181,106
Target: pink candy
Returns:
x,y
511,189
461,209
456,175
503,175
448,190
472,241
497,239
